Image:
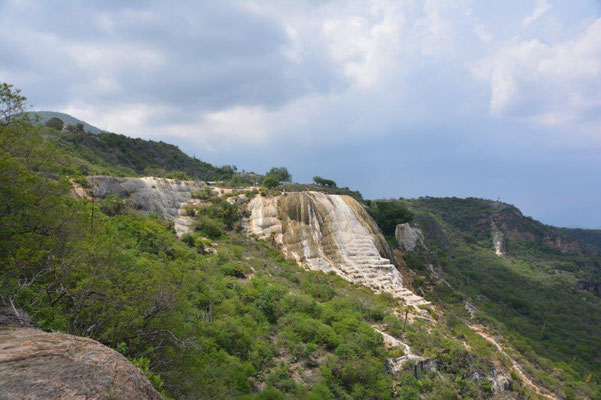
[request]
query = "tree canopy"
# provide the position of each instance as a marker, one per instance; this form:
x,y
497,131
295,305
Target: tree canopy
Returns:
x,y
275,176
55,123
324,182
389,213
12,103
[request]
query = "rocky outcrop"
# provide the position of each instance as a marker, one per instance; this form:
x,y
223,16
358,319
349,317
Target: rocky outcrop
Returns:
x,y
40,365
330,233
499,380
424,366
165,197
409,237
320,231
396,365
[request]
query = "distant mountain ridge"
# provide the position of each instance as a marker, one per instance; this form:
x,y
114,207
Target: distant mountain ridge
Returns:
x,y
44,116
105,153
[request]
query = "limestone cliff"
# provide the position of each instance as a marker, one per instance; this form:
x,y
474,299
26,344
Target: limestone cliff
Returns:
x,y
166,197
330,233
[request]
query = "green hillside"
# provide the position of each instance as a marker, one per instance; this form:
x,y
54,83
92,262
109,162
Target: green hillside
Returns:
x,y
241,322
532,294
41,117
114,154
219,314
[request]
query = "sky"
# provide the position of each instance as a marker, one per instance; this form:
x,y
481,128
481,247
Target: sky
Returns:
x,y
403,98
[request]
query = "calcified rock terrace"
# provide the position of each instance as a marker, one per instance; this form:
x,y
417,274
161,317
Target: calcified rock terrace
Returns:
x,y
330,233
320,231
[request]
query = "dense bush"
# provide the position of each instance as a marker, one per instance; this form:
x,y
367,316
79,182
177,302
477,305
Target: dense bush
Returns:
x,y
275,176
389,213
323,182
55,123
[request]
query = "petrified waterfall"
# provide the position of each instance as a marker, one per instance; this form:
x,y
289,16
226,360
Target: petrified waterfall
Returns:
x,y
320,231
330,233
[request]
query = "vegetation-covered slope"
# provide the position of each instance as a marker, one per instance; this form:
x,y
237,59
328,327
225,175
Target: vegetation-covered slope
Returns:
x,y
241,322
219,314
42,117
532,294
115,154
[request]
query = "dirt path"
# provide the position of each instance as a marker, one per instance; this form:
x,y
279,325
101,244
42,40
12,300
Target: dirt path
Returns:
x,y
479,329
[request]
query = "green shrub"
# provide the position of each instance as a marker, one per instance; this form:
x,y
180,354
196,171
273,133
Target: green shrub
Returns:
x,y
389,213
177,175
231,269
55,123
112,205
209,227
204,194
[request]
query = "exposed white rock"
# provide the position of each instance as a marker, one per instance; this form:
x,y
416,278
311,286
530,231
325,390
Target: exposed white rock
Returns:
x,y
330,233
498,240
395,365
408,237
166,197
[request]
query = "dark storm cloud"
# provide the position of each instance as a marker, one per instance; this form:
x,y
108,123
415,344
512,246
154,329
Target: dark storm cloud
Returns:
x,y
206,55
395,98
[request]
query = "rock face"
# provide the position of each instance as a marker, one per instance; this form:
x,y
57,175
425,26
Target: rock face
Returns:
x,y
408,237
395,365
40,365
166,197
330,233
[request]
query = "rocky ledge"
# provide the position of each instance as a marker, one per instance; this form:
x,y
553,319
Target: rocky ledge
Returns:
x,y
40,365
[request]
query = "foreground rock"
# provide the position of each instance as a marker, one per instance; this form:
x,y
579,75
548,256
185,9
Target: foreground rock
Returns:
x,y
40,365
330,233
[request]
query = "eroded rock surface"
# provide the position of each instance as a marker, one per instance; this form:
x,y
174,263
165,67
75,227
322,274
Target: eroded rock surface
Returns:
x,y
408,237
40,365
396,365
166,197
330,233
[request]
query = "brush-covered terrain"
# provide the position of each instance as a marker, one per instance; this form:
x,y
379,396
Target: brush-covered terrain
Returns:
x,y
219,314
541,294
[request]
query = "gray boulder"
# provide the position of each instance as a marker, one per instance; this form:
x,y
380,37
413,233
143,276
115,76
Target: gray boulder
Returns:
x,y
40,365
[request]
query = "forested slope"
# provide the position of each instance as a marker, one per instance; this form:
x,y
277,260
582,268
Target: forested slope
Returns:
x,y
533,294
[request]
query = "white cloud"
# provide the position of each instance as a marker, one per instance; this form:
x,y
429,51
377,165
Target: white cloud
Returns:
x,y
542,6
551,84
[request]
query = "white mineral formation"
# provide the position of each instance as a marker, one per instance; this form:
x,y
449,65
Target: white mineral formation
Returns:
x,y
165,197
330,233
396,365
408,237
499,242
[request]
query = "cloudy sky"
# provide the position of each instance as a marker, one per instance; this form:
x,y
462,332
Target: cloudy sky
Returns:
x,y
395,98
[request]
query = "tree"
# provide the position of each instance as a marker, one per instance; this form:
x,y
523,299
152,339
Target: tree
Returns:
x,y
270,181
275,176
324,182
55,123
389,213
12,103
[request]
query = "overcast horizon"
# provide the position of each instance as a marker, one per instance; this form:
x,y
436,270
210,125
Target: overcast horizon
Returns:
x,y
391,98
